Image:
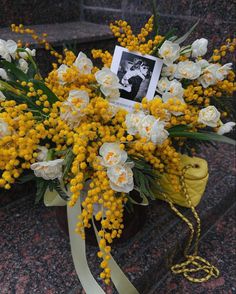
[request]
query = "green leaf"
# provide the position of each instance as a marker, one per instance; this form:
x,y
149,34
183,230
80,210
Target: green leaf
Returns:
x,y
185,36
68,162
16,72
41,186
60,191
156,16
178,128
52,98
205,136
144,202
26,178
19,98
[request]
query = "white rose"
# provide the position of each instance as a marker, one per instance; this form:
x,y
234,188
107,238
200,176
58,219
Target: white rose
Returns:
x,y
111,154
132,121
62,69
29,51
8,49
188,70
48,170
42,153
121,177
199,47
209,116
175,91
169,51
145,126
163,84
2,96
226,128
3,74
79,98
83,63
107,79
71,109
208,76
4,130
111,93
23,65
175,88
223,71
158,132
169,71
203,63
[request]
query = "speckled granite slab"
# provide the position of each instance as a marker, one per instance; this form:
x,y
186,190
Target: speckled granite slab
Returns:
x,y
35,255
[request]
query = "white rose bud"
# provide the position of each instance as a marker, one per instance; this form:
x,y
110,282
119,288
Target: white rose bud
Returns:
x,y
169,51
4,129
199,47
188,70
83,63
121,177
209,116
3,74
48,170
23,65
42,153
62,69
29,51
226,128
8,49
2,96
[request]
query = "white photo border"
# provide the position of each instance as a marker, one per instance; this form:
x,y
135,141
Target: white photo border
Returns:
x,y
128,104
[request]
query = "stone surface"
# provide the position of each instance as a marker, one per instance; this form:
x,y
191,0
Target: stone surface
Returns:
x,y
31,241
218,245
77,32
101,16
103,3
215,9
38,11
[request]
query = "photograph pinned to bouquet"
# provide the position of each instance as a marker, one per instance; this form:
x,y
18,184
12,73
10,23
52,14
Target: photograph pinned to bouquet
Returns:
x,y
138,75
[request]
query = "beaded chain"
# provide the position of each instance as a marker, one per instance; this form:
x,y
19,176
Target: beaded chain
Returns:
x,y
193,263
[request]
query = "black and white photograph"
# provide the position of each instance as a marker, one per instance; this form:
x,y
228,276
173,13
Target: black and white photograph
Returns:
x,y
138,75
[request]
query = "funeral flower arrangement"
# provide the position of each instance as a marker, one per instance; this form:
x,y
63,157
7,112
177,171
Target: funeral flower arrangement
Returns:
x,y
67,130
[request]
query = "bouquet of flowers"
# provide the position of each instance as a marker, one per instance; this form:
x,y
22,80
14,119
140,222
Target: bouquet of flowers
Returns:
x,y
95,135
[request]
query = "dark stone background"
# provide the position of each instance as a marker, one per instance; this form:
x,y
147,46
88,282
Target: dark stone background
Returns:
x,y
217,18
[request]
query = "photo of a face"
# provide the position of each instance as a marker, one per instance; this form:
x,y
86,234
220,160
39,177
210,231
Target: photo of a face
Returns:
x,y
134,74
138,75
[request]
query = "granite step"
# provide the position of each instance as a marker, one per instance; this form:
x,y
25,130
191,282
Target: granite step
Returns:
x,y
39,11
31,239
81,36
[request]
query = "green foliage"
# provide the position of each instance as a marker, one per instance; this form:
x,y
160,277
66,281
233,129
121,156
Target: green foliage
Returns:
x,y
202,136
52,98
41,186
145,179
69,158
13,72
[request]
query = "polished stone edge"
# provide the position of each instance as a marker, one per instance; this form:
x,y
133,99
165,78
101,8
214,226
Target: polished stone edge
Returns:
x,y
59,33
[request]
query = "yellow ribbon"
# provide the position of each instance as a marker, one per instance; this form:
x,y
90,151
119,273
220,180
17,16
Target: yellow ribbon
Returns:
x,y
78,251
